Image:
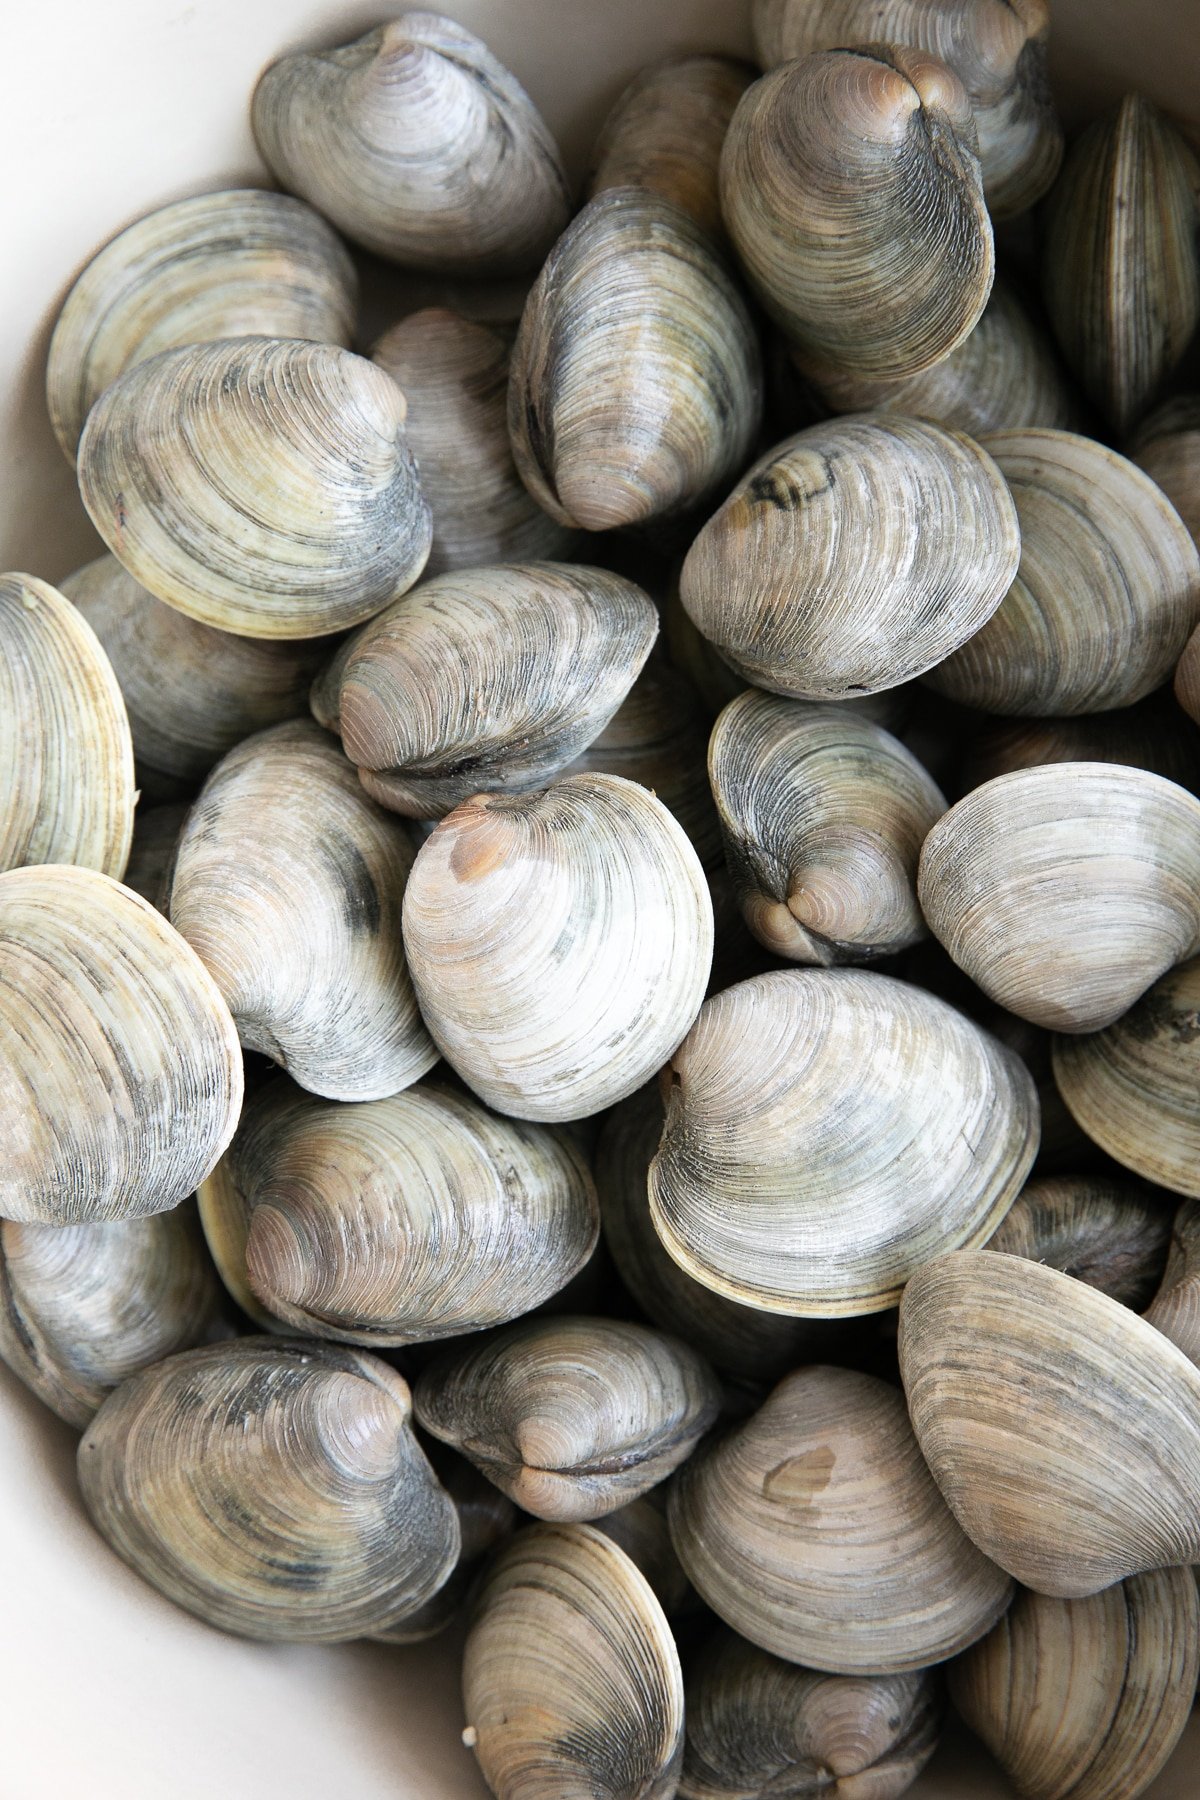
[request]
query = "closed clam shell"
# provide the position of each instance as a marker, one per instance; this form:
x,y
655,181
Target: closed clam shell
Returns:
x,y
571,1680
1086,1699
1167,446
758,1727
850,187
636,384
1062,1430
84,1306
1120,269
484,679
418,144
1152,735
823,815
120,1074
571,1417
238,263
273,1487
559,942
640,1529
816,1532
1064,891
1111,1234
1175,1309
1107,592
853,556
786,1181
261,485
157,831
66,760
288,883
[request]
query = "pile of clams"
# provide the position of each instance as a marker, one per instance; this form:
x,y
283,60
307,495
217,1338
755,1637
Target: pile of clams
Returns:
x,y
600,907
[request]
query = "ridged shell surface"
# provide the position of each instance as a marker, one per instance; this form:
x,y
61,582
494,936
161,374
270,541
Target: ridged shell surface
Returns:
x,y
1152,735
1111,1234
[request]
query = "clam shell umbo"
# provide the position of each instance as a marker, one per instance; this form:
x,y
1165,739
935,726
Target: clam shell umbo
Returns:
x,y
1175,1309
1111,1234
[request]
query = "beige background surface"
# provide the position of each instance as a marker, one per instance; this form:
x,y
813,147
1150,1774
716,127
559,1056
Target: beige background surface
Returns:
x,y
112,107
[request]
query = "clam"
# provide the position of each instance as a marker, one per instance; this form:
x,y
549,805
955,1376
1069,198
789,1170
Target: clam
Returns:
x,y
261,485
823,815
570,1417
484,680
850,187
485,1518
1064,891
1086,1699
157,831
853,556
84,1306
1062,1430
1135,1086
1120,270
1167,446
66,761
273,1488
417,1216
640,1529
571,1679
1187,677
997,48
759,1727
636,383
1152,735
1107,592
239,263
1175,1309
454,376
789,1180
559,942
418,144
1108,1233
815,1531
288,883
120,1074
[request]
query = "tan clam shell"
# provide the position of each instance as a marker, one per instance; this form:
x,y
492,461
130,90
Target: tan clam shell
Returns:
x,y
570,1417
1004,872
853,556
786,1181
816,1532
288,883
636,382
1107,592
238,263
1167,446
640,1529
823,815
273,1487
1062,1430
1113,1235
484,680
120,1073
66,759
261,485
418,144
850,187
571,1680
1086,1699
1175,1309
1152,735
560,943
156,833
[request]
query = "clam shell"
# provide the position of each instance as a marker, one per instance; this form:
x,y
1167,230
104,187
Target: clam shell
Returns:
x,y
66,760
261,485
1062,1430
1110,1234
120,1074
640,1530
1167,446
288,883
1175,1309
786,1181
239,263
1152,735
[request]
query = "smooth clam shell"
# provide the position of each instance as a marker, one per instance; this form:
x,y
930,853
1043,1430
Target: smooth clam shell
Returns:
x,y
1111,1234
66,759
571,1679
571,1417
1062,1430
850,187
853,556
827,1132
274,1488
1167,446
288,883
1152,735
636,382
239,263
559,943
157,831
815,1531
261,485
1175,1309
485,680
418,144
120,1073
1064,891
640,1530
